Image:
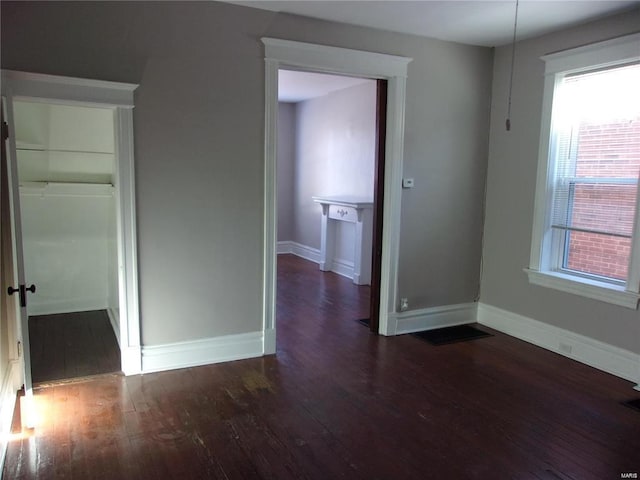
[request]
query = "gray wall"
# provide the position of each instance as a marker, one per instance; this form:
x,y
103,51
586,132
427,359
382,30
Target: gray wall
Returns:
x,y
446,141
199,139
335,154
286,168
511,182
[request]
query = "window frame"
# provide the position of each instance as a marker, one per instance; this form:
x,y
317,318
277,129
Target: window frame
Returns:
x,y
544,254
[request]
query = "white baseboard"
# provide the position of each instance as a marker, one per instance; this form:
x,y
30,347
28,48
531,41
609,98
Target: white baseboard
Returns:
x,y
339,266
114,319
299,250
8,397
434,317
614,360
130,358
66,306
285,246
157,358
343,267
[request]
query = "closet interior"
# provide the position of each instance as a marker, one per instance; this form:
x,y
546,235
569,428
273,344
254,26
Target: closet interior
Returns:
x,y
66,165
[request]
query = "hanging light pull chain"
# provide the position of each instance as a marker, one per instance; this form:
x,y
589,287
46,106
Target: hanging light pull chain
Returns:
x,y
513,59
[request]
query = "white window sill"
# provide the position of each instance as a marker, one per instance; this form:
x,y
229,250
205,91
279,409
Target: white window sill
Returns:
x,y
584,287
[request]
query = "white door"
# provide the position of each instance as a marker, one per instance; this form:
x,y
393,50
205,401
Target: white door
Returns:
x,y
17,285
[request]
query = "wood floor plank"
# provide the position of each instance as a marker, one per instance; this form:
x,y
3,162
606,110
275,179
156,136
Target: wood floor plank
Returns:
x,y
71,345
339,402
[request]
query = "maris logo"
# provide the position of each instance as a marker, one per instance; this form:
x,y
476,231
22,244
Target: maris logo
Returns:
x,y
629,475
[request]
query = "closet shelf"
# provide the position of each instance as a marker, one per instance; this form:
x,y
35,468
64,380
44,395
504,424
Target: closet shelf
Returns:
x,y
20,145
60,189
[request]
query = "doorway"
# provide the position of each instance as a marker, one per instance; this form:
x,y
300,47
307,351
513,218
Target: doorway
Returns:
x,y
118,98
286,54
328,133
66,165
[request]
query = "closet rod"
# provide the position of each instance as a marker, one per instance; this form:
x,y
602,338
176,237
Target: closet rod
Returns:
x,y
33,149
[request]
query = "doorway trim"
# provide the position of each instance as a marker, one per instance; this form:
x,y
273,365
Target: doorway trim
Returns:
x,y
118,97
320,58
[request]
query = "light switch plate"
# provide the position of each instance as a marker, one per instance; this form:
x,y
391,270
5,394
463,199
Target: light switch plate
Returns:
x,y
407,183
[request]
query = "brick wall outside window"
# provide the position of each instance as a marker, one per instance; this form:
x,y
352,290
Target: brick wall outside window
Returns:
x,y
610,150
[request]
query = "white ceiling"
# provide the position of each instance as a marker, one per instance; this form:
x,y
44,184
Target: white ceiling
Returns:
x,y
299,86
476,22
479,22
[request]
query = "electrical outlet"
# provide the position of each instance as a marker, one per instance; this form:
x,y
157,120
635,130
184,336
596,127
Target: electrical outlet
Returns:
x,y
407,183
404,304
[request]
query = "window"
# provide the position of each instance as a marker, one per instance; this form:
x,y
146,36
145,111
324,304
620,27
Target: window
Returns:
x,y
587,192
596,125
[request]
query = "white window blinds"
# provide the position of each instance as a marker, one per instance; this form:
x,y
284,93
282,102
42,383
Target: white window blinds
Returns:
x,y
596,138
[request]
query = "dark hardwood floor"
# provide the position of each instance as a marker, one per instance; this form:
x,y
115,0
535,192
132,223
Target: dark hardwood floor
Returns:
x,y
70,345
339,402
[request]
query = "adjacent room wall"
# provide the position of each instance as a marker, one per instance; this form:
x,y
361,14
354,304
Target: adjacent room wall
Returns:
x,y
335,155
513,160
285,169
333,140
199,147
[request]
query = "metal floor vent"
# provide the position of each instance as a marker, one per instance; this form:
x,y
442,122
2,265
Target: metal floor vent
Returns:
x,y
635,404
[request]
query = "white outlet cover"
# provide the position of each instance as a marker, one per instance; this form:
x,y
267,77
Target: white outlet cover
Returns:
x,y
407,183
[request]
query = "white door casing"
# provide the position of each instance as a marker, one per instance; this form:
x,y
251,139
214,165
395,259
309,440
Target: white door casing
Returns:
x,y
93,93
319,58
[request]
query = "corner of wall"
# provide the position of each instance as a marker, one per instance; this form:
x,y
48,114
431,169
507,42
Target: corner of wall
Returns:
x,y
616,361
